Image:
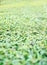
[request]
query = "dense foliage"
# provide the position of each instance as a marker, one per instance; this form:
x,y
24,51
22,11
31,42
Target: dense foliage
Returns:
x,y
23,35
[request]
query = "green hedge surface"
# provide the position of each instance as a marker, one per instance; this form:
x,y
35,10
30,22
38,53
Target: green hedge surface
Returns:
x,y
23,32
